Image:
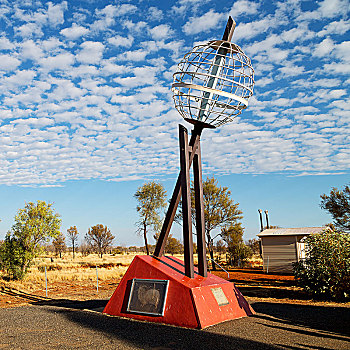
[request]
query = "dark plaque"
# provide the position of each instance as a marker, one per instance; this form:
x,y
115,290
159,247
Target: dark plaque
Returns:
x,y
147,297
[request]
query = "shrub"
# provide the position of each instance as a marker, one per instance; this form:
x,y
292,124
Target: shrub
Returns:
x,y
14,258
239,254
325,272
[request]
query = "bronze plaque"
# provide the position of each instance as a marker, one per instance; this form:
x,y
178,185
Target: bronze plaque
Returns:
x,y
148,296
220,296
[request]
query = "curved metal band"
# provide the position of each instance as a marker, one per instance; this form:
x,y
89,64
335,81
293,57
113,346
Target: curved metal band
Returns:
x,y
221,78
213,91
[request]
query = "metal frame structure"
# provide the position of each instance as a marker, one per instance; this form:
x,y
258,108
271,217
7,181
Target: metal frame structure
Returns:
x,y
214,81
190,152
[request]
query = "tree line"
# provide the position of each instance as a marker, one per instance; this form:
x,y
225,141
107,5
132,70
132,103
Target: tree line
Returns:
x,y
34,226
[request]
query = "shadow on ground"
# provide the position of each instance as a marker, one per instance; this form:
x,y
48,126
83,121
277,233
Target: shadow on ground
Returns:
x,y
322,318
292,320
147,335
259,291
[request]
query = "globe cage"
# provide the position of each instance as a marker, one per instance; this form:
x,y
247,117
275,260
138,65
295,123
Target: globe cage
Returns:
x,y
213,83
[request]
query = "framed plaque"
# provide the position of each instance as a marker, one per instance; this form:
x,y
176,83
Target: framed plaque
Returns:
x,y
220,296
147,296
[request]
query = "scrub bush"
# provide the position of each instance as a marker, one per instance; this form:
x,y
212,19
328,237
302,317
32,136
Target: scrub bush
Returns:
x,y
325,272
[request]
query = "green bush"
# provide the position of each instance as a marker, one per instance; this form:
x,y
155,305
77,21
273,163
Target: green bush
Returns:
x,y
14,258
325,272
239,254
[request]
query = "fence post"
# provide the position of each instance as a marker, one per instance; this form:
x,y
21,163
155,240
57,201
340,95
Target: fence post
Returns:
x,y
45,281
96,279
267,268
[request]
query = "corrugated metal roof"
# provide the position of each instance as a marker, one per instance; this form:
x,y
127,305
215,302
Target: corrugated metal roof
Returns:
x,y
290,231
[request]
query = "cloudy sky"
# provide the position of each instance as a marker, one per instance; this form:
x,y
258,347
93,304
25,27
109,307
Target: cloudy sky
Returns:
x,y
86,106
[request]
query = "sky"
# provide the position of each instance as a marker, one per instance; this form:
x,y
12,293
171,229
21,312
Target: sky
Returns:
x,y
87,116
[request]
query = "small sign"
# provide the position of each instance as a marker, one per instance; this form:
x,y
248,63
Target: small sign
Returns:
x,y
220,296
148,296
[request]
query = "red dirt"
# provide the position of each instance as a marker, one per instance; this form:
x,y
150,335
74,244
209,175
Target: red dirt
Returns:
x,y
77,290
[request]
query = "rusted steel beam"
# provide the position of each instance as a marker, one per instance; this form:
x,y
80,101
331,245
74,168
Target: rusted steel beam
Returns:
x,y
230,28
186,201
199,205
175,199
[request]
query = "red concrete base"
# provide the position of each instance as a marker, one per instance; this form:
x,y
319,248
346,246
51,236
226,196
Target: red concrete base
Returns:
x,y
190,302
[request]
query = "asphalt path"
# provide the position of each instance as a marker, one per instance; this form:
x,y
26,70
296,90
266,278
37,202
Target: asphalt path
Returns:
x,y
74,325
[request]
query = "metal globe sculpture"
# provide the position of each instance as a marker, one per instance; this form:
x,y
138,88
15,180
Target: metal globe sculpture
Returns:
x,y
212,86
213,83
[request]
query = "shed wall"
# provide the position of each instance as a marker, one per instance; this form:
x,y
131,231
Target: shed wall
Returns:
x,y
279,253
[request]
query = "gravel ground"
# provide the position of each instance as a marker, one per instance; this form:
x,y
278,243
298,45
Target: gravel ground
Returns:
x,y
75,326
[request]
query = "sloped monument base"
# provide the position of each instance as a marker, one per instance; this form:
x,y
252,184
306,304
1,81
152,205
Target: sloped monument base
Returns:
x,y
157,290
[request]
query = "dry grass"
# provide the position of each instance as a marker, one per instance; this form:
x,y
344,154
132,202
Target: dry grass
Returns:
x,y
68,269
83,269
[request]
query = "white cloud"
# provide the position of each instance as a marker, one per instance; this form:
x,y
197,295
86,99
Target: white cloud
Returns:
x,y
8,63
291,70
52,45
263,81
119,40
154,13
244,7
336,27
203,23
74,32
21,77
163,31
6,44
137,55
108,15
138,27
342,51
39,122
55,13
125,9
61,61
323,48
30,50
28,30
142,76
332,8
340,68
91,52
251,29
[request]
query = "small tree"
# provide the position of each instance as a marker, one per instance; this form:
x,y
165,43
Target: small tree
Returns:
x,y
254,245
337,203
99,237
85,248
151,199
13,257
60,244
73,234
238,251
325,272
219,210
220,247
34,225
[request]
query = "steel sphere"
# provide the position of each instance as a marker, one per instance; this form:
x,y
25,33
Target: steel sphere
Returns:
x,y
213,83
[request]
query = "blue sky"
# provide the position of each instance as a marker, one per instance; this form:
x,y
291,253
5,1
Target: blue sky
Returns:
x,y
86,111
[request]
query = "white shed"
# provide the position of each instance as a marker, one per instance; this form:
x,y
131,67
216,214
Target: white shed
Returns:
x,y
283,246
